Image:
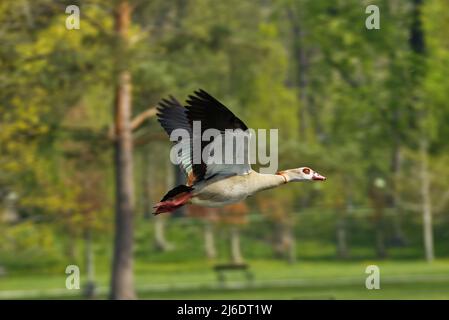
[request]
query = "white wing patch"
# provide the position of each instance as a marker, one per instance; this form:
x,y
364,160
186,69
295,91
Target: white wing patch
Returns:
x,y
228,154
183,157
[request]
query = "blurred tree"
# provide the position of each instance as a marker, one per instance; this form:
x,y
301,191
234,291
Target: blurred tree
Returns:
x,y
347,101
210,218
160,242
122,281
277,208
233,216
418,48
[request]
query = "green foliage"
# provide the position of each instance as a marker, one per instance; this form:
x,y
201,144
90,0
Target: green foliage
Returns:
x,y
364,96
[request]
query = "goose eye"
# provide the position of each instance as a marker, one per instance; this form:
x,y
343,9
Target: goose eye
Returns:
x,y
306,170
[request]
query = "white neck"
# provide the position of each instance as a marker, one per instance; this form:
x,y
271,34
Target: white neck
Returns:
x,y
261,181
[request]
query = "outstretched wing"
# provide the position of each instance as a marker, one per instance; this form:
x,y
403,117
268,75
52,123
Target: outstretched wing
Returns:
x,y
172,115
234,157
213,115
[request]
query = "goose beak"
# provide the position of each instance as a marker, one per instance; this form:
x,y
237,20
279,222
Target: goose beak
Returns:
x,y
317,176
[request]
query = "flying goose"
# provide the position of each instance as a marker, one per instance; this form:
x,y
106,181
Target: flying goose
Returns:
x,y
211,184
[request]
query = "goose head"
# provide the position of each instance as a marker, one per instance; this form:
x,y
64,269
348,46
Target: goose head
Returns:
x,y
302,174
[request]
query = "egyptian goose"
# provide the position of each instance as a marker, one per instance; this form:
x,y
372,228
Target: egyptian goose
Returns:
x,y
214,185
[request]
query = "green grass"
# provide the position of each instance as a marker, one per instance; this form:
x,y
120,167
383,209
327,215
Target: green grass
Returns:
x,y
183,272
391,291
273,280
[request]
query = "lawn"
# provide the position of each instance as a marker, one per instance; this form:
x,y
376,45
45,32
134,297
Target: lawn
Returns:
x,y
183,272
273,280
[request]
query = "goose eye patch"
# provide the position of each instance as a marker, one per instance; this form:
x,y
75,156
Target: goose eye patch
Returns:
x,y
306,170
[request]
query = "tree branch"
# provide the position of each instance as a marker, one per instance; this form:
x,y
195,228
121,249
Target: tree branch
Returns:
x,y
142,117
135,123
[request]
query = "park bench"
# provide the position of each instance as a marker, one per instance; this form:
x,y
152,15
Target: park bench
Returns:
x,y
221,269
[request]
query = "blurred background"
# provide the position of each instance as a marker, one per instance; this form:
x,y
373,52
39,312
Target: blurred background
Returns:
x,y
83,159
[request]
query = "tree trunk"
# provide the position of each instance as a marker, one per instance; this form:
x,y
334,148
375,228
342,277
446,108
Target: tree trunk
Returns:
x,y
291,245
278,250
122,282
71,244
209,241
426,202
90,265
380,238
396,161
147,176
378,203
342,244
284,245
236,254
418,46
10,214
301,62
160,242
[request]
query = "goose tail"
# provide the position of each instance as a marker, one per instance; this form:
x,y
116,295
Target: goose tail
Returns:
x,y
174,199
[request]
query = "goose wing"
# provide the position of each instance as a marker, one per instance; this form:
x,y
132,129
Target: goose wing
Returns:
x,y
212,114
201,106
171,116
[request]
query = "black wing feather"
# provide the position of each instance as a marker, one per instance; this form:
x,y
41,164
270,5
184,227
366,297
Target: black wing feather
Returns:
x,y
200,107
172,115
175,191
213,115
211,112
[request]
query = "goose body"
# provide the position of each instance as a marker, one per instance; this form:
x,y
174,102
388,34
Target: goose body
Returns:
x,y
210,184
228,190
